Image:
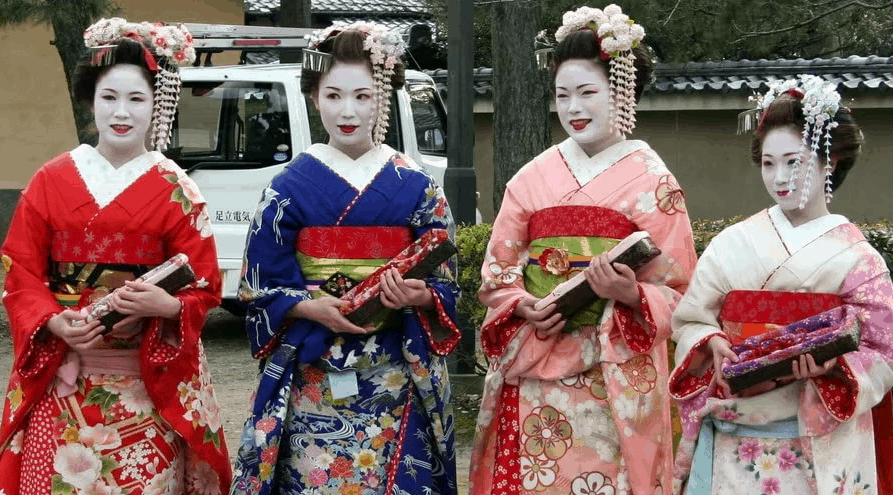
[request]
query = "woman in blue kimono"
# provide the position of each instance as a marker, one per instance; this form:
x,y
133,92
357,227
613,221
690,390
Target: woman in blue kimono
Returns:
x,y
343,409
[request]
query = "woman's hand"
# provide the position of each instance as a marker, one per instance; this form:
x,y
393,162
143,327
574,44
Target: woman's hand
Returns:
x,y
544,321
140,300
326,312
398,293
720,349
80,337
613,281
805,367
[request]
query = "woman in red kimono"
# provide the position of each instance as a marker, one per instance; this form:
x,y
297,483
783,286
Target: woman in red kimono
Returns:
x,y
127,409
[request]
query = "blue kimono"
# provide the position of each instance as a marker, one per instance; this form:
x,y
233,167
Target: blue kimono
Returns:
x,y
309,433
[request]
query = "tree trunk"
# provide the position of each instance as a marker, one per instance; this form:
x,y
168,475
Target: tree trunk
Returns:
x,y
294,13
69,25
521,127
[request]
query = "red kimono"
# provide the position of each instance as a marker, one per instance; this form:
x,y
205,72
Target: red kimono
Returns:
x,y
138,412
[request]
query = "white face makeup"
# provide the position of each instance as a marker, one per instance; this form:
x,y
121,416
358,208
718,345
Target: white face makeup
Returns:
x,y
122,110
583,102
781,149
346,103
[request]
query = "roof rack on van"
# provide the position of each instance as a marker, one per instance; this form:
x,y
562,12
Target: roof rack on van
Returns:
x,y
218,37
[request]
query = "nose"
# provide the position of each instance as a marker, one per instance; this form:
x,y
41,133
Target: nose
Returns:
x,y
120,109
573,105
349,108
783,174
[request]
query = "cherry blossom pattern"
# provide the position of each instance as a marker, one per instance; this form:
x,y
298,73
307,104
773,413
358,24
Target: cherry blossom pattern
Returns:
x,y
546,432
640,373
538,472
669,195
594,483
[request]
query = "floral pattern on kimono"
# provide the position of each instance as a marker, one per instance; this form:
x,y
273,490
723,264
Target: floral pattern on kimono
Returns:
x,y
589,406
395,434
79,209
832,451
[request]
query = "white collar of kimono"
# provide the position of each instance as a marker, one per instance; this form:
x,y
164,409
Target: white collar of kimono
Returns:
x,y
103,180
358,173
586,168
795,238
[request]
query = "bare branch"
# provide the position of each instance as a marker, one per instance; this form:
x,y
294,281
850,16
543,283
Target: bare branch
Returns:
x,y
813,19
672,12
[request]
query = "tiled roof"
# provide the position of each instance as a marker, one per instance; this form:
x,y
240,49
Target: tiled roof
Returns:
x,y
854,73
400,24
346,7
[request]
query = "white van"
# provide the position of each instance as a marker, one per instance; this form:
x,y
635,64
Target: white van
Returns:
x,y
238,126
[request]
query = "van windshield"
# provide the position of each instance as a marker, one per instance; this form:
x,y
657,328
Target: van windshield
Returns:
x,y
429,117
231,125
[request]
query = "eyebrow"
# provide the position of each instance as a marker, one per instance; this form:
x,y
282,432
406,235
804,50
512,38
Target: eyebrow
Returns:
x,y
137,92
336,88
786,154
578,86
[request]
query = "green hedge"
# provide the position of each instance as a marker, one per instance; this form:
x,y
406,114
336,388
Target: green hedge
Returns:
x,y
472,243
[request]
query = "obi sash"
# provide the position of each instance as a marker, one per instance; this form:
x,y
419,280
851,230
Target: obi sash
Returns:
x,y
746,313
355,251
563,240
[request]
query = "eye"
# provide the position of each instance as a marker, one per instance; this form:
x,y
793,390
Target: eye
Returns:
x,y
138,99
589,92
364,96
560,96
792,162
108,97
766,163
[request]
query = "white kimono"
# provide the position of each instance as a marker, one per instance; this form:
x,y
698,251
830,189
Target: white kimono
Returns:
x,y
804,436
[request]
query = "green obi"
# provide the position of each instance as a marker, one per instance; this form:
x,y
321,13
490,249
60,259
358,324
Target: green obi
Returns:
x,y
317,270
554,260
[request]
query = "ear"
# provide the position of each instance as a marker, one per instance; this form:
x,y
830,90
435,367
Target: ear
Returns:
x,y
314,96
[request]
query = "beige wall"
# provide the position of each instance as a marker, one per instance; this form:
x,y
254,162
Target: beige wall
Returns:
x,y
36,121
712,163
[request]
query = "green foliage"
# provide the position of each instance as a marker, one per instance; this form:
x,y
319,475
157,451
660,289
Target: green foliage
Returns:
x,y
472,244
471,241
699,30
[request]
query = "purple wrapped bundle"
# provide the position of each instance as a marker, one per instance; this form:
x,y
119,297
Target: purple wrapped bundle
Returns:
x,y
770,355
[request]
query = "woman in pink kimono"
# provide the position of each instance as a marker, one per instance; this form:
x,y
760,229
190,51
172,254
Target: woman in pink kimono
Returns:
x,y
810,432
579,406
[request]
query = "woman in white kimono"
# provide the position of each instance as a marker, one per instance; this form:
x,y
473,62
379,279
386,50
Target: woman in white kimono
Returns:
x,y
810,432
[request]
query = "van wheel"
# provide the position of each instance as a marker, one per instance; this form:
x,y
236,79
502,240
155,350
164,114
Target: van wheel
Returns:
x,y
234,306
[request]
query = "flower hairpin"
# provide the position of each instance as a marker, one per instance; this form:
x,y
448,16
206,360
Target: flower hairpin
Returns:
x,y
617,36
385,48
820,101
164,47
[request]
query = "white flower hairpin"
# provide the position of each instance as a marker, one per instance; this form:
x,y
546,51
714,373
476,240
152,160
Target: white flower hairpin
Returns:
x,y
820,101
385,48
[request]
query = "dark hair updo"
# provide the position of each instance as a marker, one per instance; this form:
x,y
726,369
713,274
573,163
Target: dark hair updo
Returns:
x,y
787,111
347,47
88,72
583,44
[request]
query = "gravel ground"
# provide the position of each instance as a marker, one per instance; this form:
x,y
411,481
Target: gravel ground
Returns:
x,y
234,373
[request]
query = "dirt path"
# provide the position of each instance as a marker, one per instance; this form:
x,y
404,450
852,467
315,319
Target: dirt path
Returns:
x,y
233,372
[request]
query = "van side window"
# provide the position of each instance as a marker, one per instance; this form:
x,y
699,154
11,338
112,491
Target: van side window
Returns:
x,y
231,125
429,117
392,138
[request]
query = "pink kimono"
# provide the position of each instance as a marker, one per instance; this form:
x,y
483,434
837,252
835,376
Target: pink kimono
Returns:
x,y
587,410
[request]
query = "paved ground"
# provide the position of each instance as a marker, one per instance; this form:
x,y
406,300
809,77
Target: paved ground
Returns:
x,y
234,372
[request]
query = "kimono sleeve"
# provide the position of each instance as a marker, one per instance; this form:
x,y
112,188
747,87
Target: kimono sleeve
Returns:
x,y
433,212
27,297
695,321
273,281
861,378
171,340
661,211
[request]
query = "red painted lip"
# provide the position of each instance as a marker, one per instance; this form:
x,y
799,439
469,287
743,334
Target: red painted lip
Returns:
x,y
121,129
782,194
579,125
348,129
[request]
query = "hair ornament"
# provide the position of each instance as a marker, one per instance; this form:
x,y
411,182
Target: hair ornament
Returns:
x,y
820,101
385,47
165,47
617,35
